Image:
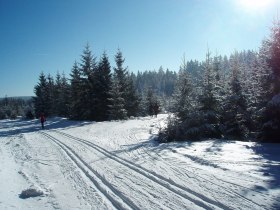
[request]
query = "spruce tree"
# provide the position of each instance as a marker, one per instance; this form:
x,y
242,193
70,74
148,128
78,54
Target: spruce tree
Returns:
x,y
274,56
64,97
120,72
271,115
102,88
57,92
116,105
132,99
50,97
151,100
87,68
181,125
210,103
76,93
235,118
183,95
126,86
41,98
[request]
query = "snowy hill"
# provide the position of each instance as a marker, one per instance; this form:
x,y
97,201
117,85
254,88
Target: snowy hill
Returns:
x,y
119,165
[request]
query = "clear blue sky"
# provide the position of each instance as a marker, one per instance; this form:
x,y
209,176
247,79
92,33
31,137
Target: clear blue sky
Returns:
x,y
49,35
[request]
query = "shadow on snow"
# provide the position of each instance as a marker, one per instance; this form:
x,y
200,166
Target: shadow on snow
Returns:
x,y
18,126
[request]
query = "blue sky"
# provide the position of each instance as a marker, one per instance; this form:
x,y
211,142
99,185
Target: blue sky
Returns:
x,y
39,35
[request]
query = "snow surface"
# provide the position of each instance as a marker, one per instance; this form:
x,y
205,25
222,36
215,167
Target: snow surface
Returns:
x,y
119,165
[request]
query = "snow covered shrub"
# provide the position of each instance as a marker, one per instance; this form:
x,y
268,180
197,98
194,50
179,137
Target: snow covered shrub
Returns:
x,y
30,193
170,132
192,128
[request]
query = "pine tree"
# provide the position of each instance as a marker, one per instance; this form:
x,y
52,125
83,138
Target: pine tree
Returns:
x,y
210,99
126,86
76,93
183,95
116,105
50,98
271,114
57,92
63,102
181,125
204,118
274,56
152,104
132,99
102,88
121,73
87,68
41,98
235,118
256,87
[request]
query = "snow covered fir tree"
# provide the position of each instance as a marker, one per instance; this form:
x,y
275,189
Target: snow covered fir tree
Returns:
x,y
228,97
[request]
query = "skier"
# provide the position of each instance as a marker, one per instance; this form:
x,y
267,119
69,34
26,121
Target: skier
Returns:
x,y
42,119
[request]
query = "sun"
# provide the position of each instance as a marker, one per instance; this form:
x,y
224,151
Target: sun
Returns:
x,y
254,5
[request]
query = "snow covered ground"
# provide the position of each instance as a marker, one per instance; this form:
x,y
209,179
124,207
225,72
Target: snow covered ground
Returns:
x,y
119,165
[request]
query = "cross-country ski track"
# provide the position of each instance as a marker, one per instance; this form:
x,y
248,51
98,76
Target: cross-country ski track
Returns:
x,y
119,165
136,174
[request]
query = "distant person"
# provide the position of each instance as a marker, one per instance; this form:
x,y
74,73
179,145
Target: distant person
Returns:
x,y
42,119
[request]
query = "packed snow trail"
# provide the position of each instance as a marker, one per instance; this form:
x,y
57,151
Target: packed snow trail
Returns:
x,y
119,165
136,177
108,191
167,183
184,192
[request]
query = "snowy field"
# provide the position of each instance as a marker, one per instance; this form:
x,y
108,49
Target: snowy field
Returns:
x,y
119,165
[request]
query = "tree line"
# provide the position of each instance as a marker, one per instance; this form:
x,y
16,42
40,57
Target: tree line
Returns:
x,y
95,91
235,98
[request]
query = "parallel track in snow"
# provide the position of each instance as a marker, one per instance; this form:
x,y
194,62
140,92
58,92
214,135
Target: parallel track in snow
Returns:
x,y
182,191
230,192
118,200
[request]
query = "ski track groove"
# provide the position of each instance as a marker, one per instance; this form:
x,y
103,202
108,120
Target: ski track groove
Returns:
x,y
84,168
166,183
213,183
133,136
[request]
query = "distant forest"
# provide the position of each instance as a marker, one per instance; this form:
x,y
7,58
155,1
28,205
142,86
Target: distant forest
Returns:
x,y
11,108
225,97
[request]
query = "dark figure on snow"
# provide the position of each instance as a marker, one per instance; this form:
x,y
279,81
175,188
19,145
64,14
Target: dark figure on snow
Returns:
x,y
42,119
156,108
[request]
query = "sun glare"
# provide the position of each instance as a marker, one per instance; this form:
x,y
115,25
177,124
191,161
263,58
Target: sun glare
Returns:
x,y
255,5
